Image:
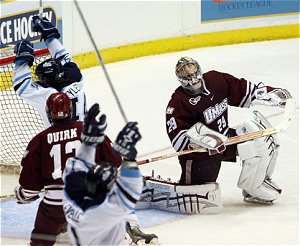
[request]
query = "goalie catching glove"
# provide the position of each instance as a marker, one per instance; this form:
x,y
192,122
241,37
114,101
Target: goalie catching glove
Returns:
x,y
93,130
126,141
275,97
201,135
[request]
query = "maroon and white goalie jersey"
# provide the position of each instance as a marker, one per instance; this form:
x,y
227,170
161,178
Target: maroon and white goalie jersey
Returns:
x,y
45,158
209,107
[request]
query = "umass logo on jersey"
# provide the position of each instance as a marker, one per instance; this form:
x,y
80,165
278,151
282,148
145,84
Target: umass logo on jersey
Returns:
x,y
212,113
195,100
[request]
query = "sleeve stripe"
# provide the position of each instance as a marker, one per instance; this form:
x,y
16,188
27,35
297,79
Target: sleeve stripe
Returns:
x,y
246,101
128,196
29,194
59,52
180,141
131,173
21,77
25,86
123,201
133,193
184,144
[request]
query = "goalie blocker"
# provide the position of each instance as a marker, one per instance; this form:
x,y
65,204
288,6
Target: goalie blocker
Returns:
x,y
185,199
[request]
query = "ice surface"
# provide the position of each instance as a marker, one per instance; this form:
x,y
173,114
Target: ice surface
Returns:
x,y
144,87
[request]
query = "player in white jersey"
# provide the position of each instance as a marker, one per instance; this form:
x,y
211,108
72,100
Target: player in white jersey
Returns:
x,y
57,74
98,200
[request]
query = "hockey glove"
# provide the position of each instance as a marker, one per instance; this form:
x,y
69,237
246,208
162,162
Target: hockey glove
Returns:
x,y
44,27
93,130
24,53
126,141
275,97
22,198
211,140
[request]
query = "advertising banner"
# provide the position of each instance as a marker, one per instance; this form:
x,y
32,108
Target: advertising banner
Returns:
x,y
220,10
17,25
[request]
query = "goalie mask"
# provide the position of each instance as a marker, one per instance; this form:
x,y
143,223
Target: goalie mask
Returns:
x,y
100,178
50,72
58,107
189,74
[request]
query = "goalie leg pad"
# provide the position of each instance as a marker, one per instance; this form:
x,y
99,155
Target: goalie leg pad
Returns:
x,y
265,194
258,161
171,197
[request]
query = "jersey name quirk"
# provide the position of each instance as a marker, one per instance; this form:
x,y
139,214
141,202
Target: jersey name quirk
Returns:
x,y
214,112
54,137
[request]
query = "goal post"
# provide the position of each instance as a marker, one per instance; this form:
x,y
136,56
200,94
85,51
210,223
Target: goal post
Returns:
x,y
19,122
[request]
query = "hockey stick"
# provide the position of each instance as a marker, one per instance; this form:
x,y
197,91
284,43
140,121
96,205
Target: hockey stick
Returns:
x,y
282,126
41,9
101,62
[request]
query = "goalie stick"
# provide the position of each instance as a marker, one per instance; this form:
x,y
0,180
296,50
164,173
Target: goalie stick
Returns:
x,y
281,127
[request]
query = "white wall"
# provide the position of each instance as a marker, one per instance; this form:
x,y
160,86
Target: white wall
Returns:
x,y
116,23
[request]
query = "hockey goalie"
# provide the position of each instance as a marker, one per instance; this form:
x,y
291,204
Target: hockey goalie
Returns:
x,y
197,115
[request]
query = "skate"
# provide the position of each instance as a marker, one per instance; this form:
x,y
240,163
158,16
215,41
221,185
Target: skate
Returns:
x,y
251,199
137,237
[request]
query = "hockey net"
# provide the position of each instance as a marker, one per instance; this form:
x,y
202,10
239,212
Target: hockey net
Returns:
x,y
19,122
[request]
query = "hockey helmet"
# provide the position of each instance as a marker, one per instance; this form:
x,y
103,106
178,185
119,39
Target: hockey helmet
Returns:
x,y
100,178
189,74
58,107
50,72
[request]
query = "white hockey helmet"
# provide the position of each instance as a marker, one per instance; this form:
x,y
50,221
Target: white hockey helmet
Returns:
x,y
189,74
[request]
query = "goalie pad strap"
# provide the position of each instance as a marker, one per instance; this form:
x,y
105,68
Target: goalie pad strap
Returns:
x,y
171,197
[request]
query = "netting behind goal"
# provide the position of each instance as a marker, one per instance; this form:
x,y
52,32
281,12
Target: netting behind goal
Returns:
x,y
19,122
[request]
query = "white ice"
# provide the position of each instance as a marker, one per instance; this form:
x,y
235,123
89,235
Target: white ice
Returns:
x,y
144,86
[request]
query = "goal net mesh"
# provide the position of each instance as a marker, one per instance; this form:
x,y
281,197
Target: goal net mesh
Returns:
x,y
19,122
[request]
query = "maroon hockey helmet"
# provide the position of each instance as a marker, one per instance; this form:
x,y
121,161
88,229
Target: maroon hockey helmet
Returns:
x,y
58,107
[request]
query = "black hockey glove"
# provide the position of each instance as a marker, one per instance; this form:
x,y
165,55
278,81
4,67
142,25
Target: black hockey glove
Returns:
x,y
126,141
24,53
93,130
44,27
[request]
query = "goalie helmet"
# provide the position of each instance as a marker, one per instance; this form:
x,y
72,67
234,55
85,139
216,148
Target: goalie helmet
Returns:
x,y
58,107
100,178
189,74
50,72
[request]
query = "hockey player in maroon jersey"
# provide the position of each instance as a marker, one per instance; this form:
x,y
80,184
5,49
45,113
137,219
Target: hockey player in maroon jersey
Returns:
x,y
43,163
197,115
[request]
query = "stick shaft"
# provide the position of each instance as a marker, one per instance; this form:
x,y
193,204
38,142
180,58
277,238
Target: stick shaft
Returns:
x,y
41,9
101,62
